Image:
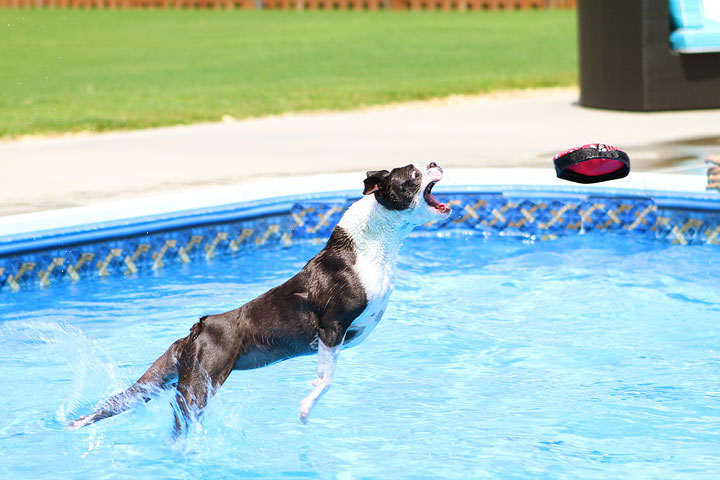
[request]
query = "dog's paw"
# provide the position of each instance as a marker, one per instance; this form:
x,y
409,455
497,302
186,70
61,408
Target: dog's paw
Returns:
x,y
305,408
79,423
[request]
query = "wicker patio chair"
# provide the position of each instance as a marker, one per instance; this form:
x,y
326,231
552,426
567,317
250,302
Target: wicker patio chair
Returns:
x,y
626,62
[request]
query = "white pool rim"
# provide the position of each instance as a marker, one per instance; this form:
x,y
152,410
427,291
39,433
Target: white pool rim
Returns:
x,y
532,182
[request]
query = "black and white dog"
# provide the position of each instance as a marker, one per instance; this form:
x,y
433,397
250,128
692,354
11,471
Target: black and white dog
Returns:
x,y
334,302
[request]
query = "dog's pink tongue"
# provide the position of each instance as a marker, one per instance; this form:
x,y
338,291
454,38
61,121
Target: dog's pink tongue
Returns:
x,y
434,202
440,206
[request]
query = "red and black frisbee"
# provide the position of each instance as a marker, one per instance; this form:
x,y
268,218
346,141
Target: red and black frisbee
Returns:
x,y
592,163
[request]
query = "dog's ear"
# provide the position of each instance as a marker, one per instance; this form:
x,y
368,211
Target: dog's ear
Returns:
x,y
373,180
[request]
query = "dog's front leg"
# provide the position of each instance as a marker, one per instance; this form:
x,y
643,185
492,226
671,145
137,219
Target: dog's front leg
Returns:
x,y
327,359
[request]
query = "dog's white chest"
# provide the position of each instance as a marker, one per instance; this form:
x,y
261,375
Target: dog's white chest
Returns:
x,y
365,323
376,278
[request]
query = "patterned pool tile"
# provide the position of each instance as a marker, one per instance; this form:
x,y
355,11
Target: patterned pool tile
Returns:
x,y
541,218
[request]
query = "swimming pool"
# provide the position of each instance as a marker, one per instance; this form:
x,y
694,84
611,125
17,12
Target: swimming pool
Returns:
x,y
502,355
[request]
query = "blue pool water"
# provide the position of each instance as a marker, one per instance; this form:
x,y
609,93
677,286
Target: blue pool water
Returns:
x,y
585,357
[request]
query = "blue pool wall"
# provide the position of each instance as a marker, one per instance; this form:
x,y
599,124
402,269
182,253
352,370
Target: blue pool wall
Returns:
x,y
130,247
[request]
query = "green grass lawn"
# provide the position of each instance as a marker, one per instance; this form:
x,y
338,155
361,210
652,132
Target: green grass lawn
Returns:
x,y
71,70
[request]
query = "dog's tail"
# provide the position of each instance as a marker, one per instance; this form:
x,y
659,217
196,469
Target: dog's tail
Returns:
x,y
161,375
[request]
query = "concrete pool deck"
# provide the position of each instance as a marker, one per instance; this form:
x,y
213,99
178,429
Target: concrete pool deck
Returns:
x,y
513,129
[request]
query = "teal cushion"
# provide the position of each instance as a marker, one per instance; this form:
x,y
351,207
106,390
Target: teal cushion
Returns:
x,y
686,13
690,40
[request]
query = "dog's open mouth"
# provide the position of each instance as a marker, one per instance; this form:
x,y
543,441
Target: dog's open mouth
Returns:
x,y
431,200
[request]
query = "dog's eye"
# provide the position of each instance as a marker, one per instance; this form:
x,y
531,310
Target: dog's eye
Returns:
x,y
413,175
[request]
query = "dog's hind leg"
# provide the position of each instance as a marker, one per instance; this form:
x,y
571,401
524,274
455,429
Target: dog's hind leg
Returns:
x,y
204,365
161,375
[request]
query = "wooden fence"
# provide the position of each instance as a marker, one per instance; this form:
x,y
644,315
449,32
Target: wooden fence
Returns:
x,y
297,4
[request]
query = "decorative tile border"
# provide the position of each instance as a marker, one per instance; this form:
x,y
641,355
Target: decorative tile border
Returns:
x,y
544,217
548,218
688,227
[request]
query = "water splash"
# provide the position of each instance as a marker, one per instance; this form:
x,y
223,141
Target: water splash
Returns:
x,y
88,365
